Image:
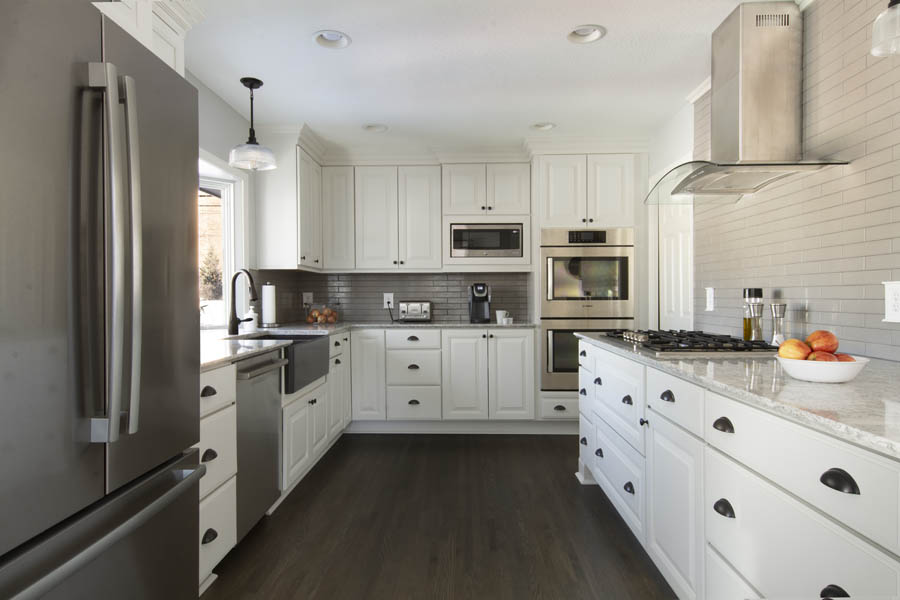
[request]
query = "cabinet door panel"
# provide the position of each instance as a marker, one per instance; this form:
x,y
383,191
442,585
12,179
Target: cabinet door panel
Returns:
x,y
563,192
309,187
511,374
420,217
338,218
464,373
376,218
464,189
610,190
320,408
296,428
368,381
509,189
336,396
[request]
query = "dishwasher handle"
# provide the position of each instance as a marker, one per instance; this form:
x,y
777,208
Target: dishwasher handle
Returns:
x,y
262,370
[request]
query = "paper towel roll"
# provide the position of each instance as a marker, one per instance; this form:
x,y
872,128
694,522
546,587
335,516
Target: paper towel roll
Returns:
x,y
268,305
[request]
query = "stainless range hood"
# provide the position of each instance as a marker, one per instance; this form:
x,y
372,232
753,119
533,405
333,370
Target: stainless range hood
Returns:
x,y
756,108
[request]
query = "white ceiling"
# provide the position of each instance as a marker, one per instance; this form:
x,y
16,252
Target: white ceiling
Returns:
x,y
457,73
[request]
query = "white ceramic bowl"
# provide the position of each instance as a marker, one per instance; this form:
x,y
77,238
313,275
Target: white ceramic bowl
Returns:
x,y
823,372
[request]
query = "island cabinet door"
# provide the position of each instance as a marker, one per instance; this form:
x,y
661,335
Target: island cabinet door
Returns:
x,y
675,538
464,376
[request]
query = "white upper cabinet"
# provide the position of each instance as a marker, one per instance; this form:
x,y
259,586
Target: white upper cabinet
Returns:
x,y
464,189
338,230
563,190
511,382
509,189
377,237
464,354
610,190
309,185
420,217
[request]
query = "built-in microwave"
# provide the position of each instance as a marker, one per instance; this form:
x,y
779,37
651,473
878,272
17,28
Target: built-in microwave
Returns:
x,y
487,240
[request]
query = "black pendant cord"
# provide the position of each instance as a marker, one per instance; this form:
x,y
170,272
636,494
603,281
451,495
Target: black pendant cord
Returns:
x,y
252,138
893,3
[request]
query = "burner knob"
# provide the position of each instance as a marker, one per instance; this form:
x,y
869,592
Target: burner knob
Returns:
x,y
641,337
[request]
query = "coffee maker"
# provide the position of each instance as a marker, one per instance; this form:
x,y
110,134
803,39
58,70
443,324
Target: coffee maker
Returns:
x,y
479,303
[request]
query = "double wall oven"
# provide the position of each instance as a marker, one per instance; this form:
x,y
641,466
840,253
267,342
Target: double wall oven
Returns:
x,y
587,284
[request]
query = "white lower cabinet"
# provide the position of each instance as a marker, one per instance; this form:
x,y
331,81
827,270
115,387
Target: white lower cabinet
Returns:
x,y
218,526
464,353
338,391
218,448
368,381
675,539
296,444
319,404
511,382
414,402
723,582
619,470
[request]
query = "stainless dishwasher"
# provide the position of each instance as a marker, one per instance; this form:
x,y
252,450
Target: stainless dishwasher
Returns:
x,y
258,437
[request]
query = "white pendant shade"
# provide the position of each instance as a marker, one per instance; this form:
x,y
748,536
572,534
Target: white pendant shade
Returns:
x,y
886,32
253,157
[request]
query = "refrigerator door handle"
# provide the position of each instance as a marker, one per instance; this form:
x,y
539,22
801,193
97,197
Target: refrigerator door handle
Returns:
x,y
128,96
104,76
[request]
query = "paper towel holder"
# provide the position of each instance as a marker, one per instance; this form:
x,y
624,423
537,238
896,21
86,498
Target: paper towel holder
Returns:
x,y
268,306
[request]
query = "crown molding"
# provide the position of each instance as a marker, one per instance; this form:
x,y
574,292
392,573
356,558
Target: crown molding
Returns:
x,y
314,145
181,15
698,91
585,145
377,157
804,4
482,154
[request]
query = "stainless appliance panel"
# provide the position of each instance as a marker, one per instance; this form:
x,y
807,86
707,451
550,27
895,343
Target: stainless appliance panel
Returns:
x,y
167,134
140,542
258,437
480,240
581,282
622,236
51,323
559,349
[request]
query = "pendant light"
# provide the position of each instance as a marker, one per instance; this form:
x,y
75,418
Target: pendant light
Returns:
x,y
886,31
251,155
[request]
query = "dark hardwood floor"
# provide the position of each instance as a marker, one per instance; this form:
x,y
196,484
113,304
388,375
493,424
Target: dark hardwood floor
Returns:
x,y
445,517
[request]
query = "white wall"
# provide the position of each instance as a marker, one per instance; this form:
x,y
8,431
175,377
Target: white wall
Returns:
x,y
673,144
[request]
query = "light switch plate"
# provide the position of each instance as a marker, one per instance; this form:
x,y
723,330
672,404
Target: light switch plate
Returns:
x,y
710,298
891,301
307,297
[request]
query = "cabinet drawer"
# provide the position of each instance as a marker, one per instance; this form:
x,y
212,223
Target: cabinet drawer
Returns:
x,y
586,441
619,396
218,448
414,402
218,389
218,525
782,547
409,339
337,343
677,400
558,408
619,470
585,356
723,582
586,393
798,459
413,367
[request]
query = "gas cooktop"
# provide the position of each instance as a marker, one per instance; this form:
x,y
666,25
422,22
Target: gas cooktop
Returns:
x,y
678,344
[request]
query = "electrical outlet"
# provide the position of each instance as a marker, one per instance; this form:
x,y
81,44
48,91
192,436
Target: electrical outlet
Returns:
x,y
710,298
892,301
307,297
388,300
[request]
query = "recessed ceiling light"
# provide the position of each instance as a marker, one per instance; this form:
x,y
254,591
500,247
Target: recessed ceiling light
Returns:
x,y
585,34
330,38
375,128
545,126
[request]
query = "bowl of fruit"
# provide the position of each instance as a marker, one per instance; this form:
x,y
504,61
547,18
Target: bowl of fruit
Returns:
x,y
816,359
322,316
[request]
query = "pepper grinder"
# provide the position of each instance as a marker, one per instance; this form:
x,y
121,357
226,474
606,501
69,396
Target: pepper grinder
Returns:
x,y
753,312
778,311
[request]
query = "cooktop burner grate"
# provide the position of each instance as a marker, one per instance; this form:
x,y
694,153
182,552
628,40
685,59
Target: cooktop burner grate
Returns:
x,y
690,341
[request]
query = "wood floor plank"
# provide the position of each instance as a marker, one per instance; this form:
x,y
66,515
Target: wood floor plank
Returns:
x,y
444,517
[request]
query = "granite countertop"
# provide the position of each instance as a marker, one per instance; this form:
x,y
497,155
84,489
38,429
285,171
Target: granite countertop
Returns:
x,y
216,353
865,411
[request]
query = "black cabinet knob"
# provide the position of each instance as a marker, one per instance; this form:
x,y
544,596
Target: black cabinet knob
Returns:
x,y
315,261
724,508
629,487
484,335
598,381
484,208
644,422
833,591
208,391
413,402
346,339
209,535
582,353
311,402
559,408
208,455
598,452
584,220
590,220
627,400
491,335
413,367
583,441
724,425
412,338
840,480
667,396
395,262
402,262
583,392
302,258
490,208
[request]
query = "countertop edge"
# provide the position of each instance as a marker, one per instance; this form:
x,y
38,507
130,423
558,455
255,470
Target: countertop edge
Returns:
x,y
212,365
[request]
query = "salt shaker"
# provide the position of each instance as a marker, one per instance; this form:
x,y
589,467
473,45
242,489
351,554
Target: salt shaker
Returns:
x,y
778,311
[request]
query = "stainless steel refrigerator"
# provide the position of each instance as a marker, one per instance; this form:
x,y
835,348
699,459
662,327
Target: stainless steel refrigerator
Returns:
x,y
99,340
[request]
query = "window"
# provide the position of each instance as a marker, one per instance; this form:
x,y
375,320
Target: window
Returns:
x,y
211,254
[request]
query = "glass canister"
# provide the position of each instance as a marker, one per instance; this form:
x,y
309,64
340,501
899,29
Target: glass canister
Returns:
x,y
753,312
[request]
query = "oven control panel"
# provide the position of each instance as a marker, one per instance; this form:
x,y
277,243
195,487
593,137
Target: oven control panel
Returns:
x,y
587,237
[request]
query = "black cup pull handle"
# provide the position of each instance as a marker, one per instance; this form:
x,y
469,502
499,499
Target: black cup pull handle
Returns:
x,y
724,425
208,455
598,381
337,361
629,487
598,452
627,400
209,535
412,338
583,441
337,343
667,396
583,392
582,353
413,367
833,591
724,508
559,407
413,402
840,480
208,391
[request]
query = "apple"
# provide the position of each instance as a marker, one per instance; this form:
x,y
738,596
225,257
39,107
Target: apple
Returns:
x,y
823,341
822,356
794,348
844,357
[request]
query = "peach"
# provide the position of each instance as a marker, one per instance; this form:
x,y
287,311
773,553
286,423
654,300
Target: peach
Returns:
x,y
844,357
823,341
794,348
822,356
